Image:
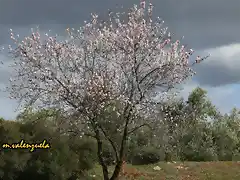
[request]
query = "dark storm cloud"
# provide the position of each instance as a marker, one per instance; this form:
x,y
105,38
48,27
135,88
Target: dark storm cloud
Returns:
x,y
204,24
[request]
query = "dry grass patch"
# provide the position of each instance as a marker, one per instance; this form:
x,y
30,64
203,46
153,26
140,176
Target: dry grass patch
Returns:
x,y
181,171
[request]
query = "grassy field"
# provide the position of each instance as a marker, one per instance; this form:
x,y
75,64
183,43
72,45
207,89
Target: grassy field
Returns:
x,y
181,171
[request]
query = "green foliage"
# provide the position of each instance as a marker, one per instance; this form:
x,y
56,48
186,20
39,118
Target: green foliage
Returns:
x,y
227,136
12,162
198,144
68,156
199,106
191,130
146,155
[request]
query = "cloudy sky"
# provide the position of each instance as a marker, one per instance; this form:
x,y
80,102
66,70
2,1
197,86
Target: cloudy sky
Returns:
x,y
209,26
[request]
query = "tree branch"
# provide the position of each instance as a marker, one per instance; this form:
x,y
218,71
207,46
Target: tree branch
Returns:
x,y
111,142
85,134
138,127
148,74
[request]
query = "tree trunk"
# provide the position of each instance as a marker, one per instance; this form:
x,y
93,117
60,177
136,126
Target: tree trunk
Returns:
x,y
117,170
119,164
100,158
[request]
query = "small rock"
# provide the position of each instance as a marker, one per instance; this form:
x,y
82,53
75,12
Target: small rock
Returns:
x,y
179,167
157,168
93,175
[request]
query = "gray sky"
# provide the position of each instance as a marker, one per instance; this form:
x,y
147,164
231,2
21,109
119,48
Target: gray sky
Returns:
x,y
209,26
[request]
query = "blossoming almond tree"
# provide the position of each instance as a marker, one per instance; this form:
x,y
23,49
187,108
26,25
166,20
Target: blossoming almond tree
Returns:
x,y
129,59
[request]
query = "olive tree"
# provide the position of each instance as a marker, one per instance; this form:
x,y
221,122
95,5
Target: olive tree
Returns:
x,y
122,63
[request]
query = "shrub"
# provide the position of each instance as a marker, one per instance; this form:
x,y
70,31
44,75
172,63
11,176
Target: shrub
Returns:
x,y
146,155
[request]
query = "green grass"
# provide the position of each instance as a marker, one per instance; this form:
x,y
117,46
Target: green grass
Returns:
x,y
184,171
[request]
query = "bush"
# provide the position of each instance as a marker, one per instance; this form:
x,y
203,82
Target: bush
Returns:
x,y
147,155
67,158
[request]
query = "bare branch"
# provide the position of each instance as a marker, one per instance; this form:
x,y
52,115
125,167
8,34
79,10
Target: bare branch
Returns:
x,y
111,142
138,127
